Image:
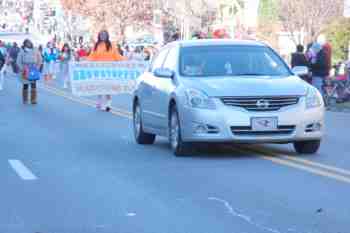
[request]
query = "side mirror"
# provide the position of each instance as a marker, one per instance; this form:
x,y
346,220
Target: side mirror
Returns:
x,y
163,73
300,70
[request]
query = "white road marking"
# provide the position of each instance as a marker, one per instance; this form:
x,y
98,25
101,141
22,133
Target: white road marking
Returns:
x,y
130,214
242,216
21,170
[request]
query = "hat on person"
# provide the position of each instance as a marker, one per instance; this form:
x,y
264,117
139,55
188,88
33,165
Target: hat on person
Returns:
x,y
316,47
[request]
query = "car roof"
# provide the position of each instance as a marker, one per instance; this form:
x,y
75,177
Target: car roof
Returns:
x,y
212,42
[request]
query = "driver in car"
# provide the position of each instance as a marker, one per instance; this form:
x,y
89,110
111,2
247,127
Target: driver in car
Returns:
x,y
193,67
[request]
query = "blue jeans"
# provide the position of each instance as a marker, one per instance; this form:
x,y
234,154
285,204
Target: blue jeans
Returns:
x,y
317,82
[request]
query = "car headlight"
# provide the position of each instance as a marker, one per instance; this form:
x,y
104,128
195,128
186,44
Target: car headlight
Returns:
x,y
198,99
313,98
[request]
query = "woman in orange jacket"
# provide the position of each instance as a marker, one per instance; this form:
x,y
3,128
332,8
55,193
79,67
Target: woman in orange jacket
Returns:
x,y
104,51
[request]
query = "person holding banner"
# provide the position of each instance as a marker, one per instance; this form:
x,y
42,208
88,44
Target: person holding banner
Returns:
x,y
29,61
104,51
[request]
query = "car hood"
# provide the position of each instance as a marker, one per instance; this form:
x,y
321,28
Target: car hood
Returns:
x,y
248,86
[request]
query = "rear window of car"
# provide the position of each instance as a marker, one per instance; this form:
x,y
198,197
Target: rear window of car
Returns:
x,y
207,61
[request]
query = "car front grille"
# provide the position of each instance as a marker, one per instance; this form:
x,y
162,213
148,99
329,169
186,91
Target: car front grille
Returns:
x,y
261,104
247,131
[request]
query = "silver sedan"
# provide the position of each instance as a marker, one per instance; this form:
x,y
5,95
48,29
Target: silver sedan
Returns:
x,y
226,91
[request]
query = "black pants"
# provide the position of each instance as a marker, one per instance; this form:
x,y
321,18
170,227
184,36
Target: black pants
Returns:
x,y
15,68
32,85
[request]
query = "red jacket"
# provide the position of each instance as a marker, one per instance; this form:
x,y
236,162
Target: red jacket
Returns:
x,y
82,53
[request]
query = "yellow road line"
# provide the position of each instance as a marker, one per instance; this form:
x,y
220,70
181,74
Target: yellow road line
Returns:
x,y
115,111
308,169
301,161
83,101
320,165
288,163
67,97
285,160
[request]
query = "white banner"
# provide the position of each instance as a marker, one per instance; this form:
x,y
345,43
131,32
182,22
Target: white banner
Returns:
x,y
105,78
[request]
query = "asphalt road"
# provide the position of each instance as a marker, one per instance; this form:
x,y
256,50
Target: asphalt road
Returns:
x,y
67,168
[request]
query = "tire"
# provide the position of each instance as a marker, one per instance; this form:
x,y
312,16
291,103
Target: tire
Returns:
x,y
307,147
141,137
179,147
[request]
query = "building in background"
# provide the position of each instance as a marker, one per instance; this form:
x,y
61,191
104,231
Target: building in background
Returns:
x,y
239,18
16,15
53,22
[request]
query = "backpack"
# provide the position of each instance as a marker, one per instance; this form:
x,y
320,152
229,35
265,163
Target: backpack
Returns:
x,y
33,73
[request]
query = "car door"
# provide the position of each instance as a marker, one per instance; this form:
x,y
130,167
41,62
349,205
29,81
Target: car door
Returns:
x,y
165,87
149,86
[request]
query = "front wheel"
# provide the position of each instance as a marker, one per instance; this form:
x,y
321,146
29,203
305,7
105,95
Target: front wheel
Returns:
x,y
307,147
179,147
141,137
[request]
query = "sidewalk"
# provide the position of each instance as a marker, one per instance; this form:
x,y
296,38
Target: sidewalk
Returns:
x,y
342,107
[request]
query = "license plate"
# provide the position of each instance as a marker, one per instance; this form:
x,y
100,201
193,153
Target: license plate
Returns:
x,y
264,123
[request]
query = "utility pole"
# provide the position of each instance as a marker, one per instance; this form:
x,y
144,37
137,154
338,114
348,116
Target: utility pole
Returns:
x,y
346,14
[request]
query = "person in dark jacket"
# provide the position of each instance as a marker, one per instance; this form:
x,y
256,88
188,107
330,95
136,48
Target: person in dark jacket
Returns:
x,y
14,51
176,36
13,54
319,67
120,50
3,54
299,59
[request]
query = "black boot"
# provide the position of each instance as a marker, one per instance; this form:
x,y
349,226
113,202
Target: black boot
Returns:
x,y
33,96
25,93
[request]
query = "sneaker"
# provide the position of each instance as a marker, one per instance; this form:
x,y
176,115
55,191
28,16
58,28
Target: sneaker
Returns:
x,y
108,105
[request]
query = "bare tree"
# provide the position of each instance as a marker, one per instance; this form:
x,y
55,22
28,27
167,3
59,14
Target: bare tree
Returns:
x,y
306,19
189,15
74,9
77,6
124,13
116,14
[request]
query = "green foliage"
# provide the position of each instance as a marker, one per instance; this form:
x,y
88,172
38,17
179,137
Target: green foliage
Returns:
x,y
338,34
268,11
268,22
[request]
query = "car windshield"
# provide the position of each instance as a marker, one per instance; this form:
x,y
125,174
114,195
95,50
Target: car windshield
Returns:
x,y
207,61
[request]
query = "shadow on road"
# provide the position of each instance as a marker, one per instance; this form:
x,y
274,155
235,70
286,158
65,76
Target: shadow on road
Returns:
x,y
274,150
207,151
234,151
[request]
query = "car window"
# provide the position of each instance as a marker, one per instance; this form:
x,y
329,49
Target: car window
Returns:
x,y
159,60
205,61
171,59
